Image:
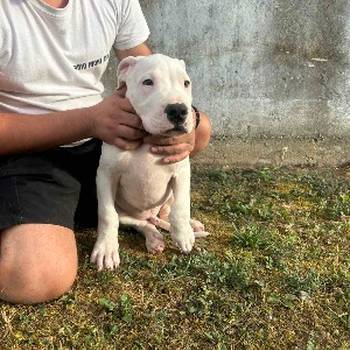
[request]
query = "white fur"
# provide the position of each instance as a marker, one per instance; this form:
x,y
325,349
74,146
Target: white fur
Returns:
x,y
132,186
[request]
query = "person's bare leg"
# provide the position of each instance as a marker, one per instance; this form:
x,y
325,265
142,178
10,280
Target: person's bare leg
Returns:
x,y
38,263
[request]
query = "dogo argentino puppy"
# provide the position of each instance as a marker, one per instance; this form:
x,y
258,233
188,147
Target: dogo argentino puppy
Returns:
x,y
134,186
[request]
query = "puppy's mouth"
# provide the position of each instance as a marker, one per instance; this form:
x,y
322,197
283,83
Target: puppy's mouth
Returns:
x,y
176,130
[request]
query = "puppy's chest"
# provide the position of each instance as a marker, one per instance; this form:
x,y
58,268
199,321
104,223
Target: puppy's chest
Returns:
x,y
144,176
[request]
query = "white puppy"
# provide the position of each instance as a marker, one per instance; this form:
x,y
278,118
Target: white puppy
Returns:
x,y
133,186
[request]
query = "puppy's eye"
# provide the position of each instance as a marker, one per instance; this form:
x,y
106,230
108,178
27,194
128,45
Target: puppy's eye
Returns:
x,y
187,83
148,82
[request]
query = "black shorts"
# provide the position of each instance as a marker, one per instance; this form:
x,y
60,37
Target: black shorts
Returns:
x,y
52,187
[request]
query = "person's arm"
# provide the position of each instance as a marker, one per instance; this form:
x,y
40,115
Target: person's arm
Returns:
x,y
22,133
140,50
203,134
113,120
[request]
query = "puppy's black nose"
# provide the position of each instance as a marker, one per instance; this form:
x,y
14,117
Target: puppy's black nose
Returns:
x,y
176,113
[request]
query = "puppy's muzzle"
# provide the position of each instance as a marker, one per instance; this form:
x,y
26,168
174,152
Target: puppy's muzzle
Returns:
x,y
177,114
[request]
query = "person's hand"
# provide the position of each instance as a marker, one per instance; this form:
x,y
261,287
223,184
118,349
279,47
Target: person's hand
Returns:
x,y
114,121
175,148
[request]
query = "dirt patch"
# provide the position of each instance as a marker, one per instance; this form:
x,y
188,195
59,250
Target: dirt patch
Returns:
x,y
275,152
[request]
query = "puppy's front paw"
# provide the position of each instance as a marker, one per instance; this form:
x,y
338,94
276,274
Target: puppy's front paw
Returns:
x,y
106,254
184,239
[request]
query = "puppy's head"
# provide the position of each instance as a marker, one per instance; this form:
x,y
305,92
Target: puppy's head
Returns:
x,y
159,89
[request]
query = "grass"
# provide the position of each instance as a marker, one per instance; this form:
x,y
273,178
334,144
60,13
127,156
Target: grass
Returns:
x,y
274,274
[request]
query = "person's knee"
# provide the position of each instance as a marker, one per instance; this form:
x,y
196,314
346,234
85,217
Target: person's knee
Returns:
x,y
38,263
35,284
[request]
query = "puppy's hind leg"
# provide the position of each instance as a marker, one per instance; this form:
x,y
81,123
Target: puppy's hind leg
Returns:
x,y
198,227
154,239
162,220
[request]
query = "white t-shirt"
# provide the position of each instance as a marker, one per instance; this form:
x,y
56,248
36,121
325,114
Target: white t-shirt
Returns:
x,y
53,59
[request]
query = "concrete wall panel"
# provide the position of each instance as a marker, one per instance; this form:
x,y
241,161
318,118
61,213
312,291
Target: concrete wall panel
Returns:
x,y
261,68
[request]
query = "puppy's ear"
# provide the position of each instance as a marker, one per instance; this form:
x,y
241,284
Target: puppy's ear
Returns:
x,y
183,64
124,68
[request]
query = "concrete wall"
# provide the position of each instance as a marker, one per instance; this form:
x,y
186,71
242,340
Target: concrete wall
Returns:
x,y
262,68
